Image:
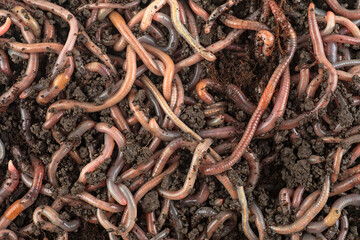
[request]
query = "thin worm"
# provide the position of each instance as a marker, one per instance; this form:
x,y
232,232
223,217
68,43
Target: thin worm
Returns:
x,y
285,195
65,148
72,35
309,215
239,98
111,6
279,106
28,20
106,153
259,220
114,99
263,103
265,40
304,82
335,213
5,27
234,22
245,214
54,217
344,227
217,13
106,206
5,64
199,198
150,222
175,18
337,8
219,219
8,234
191,175
26,201
9,185
297,197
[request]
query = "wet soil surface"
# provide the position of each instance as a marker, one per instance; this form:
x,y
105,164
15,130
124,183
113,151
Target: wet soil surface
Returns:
x,y
290,168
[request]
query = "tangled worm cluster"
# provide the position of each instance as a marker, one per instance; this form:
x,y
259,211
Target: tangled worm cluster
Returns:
x,y
123,138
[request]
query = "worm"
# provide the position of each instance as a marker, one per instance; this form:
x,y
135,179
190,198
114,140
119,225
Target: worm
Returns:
x,y
305,219
239,98
192,173
234,22
344,227
28,20
9,185
337,8
150,221
5,64
26,201
335,213
263,103
5,27
199,198
245,214
66,148
54,218
210,21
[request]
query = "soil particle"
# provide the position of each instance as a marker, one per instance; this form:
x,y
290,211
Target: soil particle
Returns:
x,y
150,202
193,116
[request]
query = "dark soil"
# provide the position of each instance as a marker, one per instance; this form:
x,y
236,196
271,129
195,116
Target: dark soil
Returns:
x,y
290,169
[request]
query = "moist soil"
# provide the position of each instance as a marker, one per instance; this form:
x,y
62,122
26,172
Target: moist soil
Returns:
x,y
289,168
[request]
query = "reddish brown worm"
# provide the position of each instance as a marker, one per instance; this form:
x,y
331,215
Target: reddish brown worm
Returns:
x,y
263,103
192,173
309,215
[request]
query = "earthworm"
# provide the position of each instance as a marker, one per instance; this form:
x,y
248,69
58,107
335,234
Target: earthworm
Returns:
x,y
111,177
309,215
220,133
331,51
279,106
5,27
215,47
124,30
335,213
54,218
150,222
347,63
331,232
2,150
118,118
219,219
340,153
199,198
348,24
337,8
161,235
138,232
164,213
245,214
344,227
72,35
8,234
239,98
265,40
149,13
167,109
199,11
93,17
234,22
355,153
175,18
191,175
128,219
217,13
28,20
98,5
5,64
297,197
94,49
285,196
200,213
66,147
114,99
12,53
259,219
215,121
263,103
106,153
26,201
342,39
106,206
203,85
304,82
31,70
171,147
9,185
49,31
176,221
321,58
33,47
140,169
